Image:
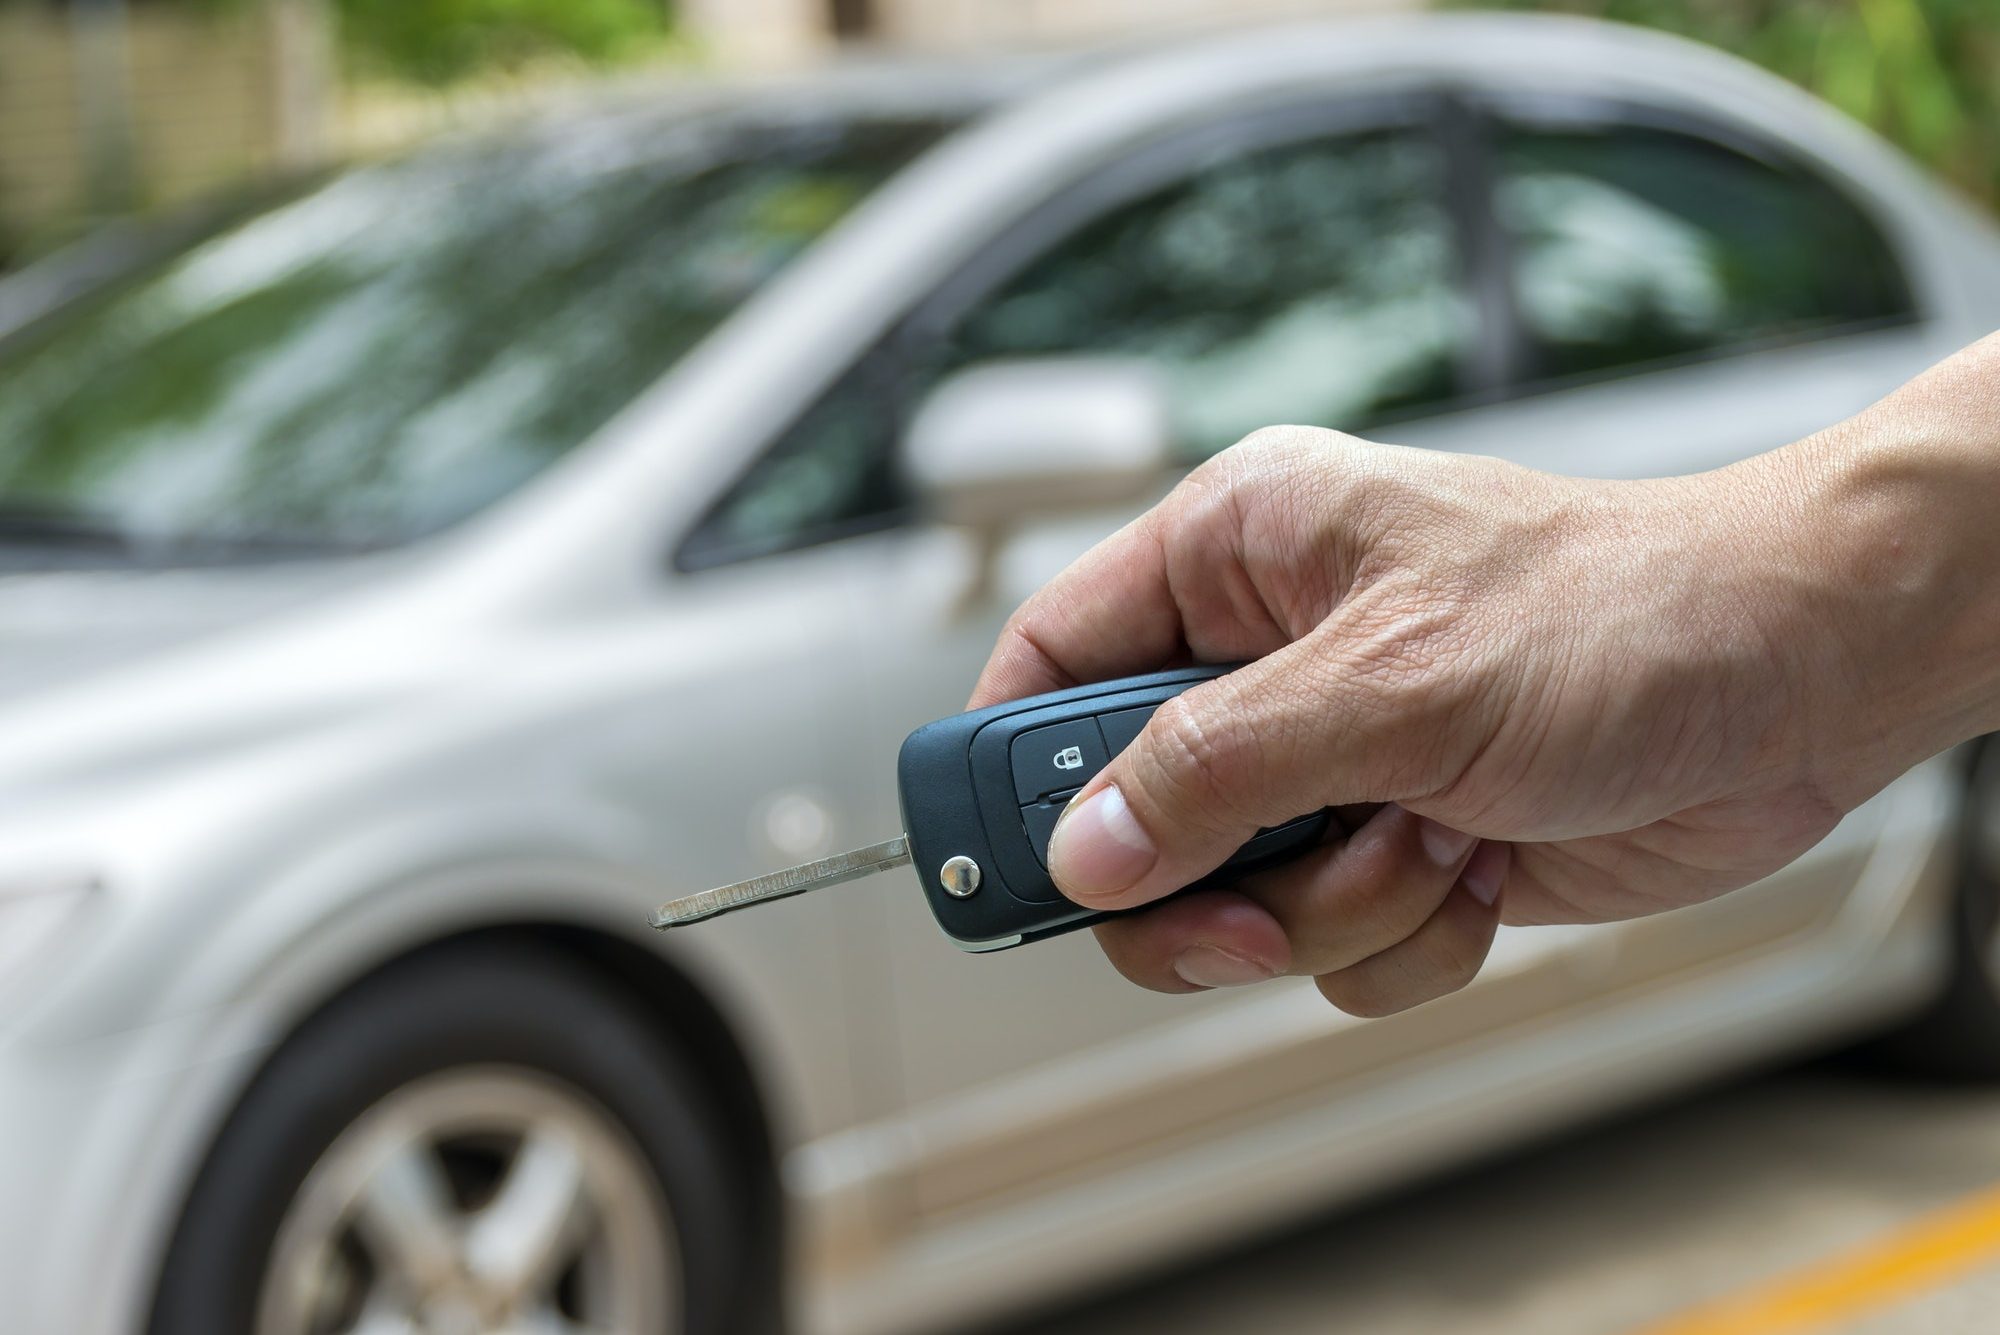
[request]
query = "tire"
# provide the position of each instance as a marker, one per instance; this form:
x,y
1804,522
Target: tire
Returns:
x,y
474,1084
1958,1036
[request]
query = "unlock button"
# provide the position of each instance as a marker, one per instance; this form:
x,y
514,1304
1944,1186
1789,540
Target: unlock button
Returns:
x,y
1058,757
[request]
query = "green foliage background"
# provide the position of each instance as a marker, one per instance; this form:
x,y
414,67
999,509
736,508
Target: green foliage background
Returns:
x,y
437,42
1923,73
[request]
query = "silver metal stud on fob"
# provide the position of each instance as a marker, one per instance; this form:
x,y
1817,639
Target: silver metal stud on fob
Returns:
x,y
959,876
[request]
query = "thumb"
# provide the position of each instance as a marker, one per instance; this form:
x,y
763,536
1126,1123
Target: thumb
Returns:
x,y
1278,738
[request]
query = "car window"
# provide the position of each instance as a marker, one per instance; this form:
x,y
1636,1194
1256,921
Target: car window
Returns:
x,y
1312,282
1632,245
403,344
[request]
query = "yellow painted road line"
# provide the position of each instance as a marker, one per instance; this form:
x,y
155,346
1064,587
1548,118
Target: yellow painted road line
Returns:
x,y
1926,1254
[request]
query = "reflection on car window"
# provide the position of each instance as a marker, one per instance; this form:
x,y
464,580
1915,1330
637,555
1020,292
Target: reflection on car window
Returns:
x,y
1312,283
1632,245
1315,284
407,343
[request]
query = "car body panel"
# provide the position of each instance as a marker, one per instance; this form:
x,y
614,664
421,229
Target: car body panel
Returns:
x,y
1428,1100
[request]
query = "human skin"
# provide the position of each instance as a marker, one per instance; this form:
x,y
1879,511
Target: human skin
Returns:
x,y
1531,698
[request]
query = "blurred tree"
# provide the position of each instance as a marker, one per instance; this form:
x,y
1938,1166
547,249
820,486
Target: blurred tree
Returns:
x,y
440,41
1923,73
437,42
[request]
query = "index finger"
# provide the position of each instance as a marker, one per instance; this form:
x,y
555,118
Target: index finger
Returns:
x,y
1110,614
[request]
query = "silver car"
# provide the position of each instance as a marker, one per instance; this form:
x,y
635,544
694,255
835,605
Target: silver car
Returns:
x,y
413,580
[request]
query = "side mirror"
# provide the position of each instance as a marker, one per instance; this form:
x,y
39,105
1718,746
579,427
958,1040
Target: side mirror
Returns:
x,y
1004,440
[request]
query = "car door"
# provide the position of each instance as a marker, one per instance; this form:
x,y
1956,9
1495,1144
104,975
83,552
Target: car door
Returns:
x,y
1681,294
1304,263
1341,264
1298,265
1677,293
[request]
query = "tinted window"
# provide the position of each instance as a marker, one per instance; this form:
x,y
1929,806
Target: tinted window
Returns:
x,y
1633,245
406,343
1315,282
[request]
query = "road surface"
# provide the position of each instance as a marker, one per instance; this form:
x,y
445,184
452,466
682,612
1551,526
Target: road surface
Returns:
x,y
1817,1199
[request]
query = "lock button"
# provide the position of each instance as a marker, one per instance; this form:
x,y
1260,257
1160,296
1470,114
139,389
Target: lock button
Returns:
x,y
1058,757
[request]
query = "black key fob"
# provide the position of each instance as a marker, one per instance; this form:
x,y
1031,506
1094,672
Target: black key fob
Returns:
x,y
981,792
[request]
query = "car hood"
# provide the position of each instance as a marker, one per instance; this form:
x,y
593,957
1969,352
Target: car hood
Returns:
x,y
63,627
108,683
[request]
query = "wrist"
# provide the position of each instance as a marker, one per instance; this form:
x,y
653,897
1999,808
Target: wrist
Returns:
x,y
1888,561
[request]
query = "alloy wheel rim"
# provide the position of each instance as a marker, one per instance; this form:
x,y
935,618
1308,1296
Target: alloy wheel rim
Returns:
x,y
475,1201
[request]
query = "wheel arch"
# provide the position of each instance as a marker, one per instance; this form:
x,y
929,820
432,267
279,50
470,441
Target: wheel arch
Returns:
x,y
675,1009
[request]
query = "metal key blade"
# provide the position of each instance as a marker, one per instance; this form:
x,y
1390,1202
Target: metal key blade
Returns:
x,y
783,884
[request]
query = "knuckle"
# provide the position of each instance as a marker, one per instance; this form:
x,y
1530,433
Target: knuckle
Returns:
x,y
1357,993
1351,918
1125,947
1453,961
1391,912
1203,502
1275,443
1288,445
1196,761
1405,643
1019,630
1432,965
1411,684
1276,458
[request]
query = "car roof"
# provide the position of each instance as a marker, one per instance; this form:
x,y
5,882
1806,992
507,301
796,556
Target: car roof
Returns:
x,y
633,114
1531,53
868,82
858,87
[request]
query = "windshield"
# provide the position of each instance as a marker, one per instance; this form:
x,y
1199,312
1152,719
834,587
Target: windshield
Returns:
x,y
404,344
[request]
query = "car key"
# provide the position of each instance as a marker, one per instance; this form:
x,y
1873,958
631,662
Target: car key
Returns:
x,y
981,792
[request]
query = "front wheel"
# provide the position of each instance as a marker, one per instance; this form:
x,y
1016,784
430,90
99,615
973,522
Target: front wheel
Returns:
x,y
481,1140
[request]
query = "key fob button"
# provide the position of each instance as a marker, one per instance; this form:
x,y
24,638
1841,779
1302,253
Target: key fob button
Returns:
x,y
1063,755
1122,727
1039,820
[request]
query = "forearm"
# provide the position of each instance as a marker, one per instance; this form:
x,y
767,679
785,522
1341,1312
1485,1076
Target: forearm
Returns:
x,y
1888,568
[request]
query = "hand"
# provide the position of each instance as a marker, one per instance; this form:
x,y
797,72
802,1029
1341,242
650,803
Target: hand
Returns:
x,y
1534,698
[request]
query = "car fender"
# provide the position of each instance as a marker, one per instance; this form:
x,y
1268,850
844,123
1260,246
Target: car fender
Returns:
x,y
362,897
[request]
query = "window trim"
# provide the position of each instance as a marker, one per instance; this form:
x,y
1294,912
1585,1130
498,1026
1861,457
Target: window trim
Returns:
x,y
1491,112
1138,169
